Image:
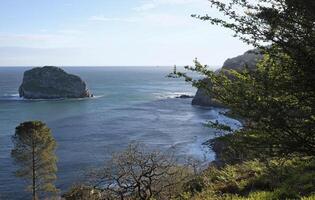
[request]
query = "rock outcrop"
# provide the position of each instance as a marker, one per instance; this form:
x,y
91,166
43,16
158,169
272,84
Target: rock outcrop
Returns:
x,y
248,59
52,83
185,96
203,98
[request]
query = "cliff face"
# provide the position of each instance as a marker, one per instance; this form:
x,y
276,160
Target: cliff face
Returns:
x,y
202,98
52,83
249,59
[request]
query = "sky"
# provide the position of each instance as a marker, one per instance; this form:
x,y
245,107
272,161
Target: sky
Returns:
x,y
112,33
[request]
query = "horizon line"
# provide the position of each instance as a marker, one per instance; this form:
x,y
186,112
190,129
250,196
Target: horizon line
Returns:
x,y
101,65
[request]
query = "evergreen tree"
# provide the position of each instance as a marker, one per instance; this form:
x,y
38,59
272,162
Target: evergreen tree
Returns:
x,y
33,151
276,101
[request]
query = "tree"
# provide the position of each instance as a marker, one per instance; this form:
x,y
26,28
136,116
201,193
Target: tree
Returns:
x,y
33,151
276,101
287,24
140,173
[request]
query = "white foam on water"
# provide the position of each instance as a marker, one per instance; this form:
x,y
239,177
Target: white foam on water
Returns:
x,y
220,117
171,95
97,96
11,97
16,97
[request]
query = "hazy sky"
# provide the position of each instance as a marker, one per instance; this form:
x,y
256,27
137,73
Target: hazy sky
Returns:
x,y
111,32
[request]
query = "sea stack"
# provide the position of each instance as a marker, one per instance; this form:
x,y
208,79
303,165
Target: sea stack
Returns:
x,y
51,82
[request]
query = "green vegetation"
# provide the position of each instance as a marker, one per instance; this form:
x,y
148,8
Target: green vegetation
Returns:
x,y
276,101
273,179
272,156
139,173
33,151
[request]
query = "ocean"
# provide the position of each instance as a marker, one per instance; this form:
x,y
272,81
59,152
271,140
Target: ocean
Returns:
x,y
130,104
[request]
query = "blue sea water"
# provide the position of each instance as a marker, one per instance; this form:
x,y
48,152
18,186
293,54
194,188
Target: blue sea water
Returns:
x,y
130,104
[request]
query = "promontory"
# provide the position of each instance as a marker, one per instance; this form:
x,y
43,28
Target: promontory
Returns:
x,y
52,83
249,59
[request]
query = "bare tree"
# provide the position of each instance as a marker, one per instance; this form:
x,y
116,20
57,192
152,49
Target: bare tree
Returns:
x,y
139,173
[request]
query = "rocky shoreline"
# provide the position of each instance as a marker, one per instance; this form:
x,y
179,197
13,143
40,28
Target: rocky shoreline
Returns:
x,y
203,98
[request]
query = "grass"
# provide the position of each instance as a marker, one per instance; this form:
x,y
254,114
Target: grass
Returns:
x,y
253,180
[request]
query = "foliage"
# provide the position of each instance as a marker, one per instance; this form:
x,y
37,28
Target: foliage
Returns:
x,y
286,24
274,179
82,192
279,118
33,151
276,101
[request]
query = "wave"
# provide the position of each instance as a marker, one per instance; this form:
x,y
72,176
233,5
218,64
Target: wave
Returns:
x,y
11,97
171,95
97,96
220,117
16,97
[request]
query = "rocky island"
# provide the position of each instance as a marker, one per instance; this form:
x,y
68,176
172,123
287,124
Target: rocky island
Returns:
x,y
52,83
249,59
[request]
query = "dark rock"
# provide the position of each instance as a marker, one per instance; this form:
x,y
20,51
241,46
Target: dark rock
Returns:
x,y
185,96
52,83
202,97
218,146
249,59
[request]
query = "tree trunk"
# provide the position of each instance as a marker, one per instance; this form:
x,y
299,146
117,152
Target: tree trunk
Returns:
x,y
33,172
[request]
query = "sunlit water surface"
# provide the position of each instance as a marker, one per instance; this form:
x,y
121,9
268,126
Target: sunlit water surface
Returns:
x,y
130,104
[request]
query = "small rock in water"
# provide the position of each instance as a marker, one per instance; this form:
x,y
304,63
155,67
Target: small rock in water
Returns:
x,y
185,96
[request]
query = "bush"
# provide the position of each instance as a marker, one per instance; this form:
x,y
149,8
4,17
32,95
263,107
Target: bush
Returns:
x,y
82,192
273,179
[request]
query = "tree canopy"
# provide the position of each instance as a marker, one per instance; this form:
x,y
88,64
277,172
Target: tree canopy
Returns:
x,y
277,100
33,151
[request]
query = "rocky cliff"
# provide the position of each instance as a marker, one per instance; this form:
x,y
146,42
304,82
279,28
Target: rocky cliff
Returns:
x,y
249,59
52,83
203,97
